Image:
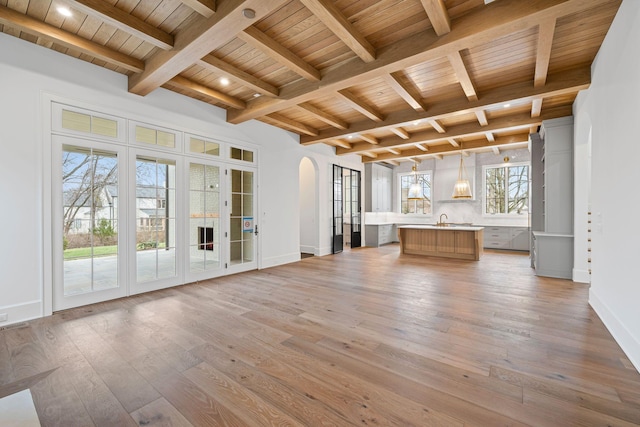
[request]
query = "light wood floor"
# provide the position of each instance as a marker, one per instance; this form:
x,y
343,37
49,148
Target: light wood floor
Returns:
x,y
367,337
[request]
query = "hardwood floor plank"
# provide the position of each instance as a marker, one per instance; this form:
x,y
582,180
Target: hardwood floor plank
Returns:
x,y
439,401
303,407
129,387
616,408
198,407
251,409
160,413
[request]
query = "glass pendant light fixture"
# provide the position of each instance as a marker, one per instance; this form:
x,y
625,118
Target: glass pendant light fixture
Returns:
x,y
415,189
462,189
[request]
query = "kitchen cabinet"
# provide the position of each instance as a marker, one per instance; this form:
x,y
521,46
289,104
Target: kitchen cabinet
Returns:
x,y
552,198
553,254
501,237
379,188
379,234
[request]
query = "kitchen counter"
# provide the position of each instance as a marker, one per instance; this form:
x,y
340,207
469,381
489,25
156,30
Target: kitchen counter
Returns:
x,y
455,241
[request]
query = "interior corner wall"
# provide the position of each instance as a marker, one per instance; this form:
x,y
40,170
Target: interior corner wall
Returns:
x,y
612,106
308,208
30,73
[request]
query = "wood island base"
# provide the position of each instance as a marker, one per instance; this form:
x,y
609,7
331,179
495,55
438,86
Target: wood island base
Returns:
x,y
447,242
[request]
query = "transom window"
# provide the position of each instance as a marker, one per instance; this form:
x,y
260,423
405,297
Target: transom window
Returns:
x,y
506,189
422,206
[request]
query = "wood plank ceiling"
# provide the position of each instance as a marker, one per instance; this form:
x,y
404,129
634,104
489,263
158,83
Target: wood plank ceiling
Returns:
x,y
389,80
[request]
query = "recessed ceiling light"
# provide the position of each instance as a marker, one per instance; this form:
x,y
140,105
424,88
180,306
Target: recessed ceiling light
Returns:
x,y
350,136
63,10
224,81
416,123
256,95
506,106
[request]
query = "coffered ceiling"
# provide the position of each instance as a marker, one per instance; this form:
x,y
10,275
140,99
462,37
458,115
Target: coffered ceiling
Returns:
x,y
389,80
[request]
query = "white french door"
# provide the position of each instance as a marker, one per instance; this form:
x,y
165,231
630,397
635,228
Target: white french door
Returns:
x,y
154,240
242,214
89,243
205,225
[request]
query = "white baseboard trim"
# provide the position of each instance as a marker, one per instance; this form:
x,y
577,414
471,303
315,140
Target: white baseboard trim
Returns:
x,y
324,250
581,276
21,312
279,260
621,334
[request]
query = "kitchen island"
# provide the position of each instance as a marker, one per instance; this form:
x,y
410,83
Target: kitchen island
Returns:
x,y
451,241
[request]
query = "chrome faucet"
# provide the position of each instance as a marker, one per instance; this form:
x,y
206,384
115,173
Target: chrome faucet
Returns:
x,y
441,222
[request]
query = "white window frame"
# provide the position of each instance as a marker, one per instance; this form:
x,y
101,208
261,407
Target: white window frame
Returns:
x,y
399,177
484,189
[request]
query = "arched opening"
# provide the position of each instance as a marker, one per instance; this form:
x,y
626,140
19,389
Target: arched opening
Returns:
x,y
309,230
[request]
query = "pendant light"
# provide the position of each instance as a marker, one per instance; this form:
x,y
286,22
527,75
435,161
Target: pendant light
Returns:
x,y
415,189
462,189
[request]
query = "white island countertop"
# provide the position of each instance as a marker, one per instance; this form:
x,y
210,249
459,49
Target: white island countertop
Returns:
x,y
451,227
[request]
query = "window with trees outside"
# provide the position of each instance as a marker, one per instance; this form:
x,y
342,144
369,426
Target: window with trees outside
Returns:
x,y
422,206
506,189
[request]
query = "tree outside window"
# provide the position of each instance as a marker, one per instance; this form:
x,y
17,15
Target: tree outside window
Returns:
x,y
506,189
415,206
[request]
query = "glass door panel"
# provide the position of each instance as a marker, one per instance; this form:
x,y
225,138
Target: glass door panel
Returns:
x,y
86,234
204,218
338,209
155,217
242,226
90,220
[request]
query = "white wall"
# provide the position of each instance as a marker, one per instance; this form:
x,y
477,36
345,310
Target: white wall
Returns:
x,y
30,73
611,106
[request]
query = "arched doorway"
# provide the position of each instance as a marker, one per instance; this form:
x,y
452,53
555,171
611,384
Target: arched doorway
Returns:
x,y
309,227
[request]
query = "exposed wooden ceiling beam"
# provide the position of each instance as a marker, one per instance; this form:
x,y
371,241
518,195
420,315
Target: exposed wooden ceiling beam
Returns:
x,y
448,149
463,75
212,63
32,26
400,132
453,142
332,17
438,15
197,41
515,122
341,143
408,94
124,21
205,8
393,162
546,31
279,53
370,154
437,126
438,156
473,29
370,139
324,116
360,106
496,150
207,91
563,83
292,124
482,117
394,151
422,147
490,136
536,107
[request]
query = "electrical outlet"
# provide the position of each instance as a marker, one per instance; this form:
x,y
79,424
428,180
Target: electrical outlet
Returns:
x,y
3,317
